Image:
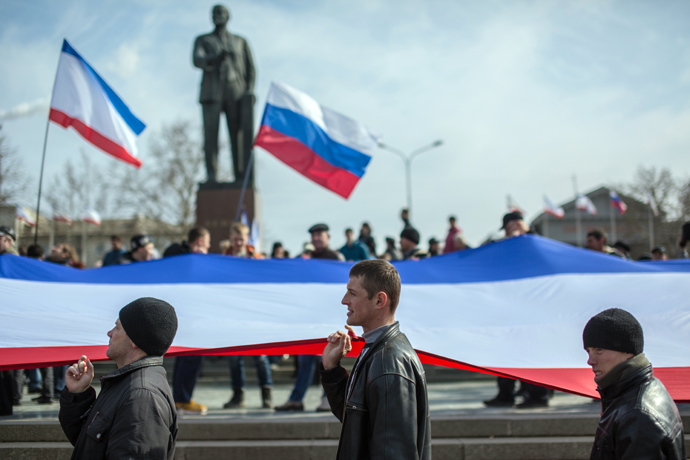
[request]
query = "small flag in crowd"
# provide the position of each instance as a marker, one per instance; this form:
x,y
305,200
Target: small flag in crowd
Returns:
x,y
59,217
91,217
652,203
83,100
617,203
26,215
319,143
583,203
552,210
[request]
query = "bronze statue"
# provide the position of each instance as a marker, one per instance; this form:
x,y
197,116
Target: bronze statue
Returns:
x,y
227,86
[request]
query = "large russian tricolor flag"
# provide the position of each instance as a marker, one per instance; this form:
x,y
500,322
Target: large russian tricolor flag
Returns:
x,y
83,100
319,143
515,308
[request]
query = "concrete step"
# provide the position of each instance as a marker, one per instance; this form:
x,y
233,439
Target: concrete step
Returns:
x,y
327,427
537,448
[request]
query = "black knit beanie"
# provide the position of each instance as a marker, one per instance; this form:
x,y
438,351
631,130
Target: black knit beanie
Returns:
x,y
411,234
614,329
150,323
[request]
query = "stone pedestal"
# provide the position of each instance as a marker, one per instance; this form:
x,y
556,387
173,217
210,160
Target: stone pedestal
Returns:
x,y
216,207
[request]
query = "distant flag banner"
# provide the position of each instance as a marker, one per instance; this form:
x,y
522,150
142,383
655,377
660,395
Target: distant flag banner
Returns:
x,y
482,309
319,143
83,100
60,217
584,203
26,215
552,210
90,216
617,203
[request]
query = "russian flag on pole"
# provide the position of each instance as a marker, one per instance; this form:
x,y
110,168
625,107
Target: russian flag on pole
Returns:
x,y
617,203
514,308
319,143
83,100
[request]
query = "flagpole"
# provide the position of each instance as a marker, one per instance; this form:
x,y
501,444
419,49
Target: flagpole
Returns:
x,y
578,230
613,224
247,173
40,179
651,228
43,157
546,224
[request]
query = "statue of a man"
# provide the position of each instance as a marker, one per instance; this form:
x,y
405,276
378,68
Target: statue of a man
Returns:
x,y
227,86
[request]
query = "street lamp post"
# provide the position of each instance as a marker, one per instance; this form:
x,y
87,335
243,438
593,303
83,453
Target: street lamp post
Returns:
x,y
407,160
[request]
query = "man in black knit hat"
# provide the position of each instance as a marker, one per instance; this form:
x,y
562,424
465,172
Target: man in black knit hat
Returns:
x,y
638,417
134,415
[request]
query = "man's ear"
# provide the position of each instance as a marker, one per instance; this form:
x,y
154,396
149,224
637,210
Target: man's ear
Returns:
x,y
381,299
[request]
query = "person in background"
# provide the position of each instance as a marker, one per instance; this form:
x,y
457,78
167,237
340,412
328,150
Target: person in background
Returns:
x,y
278,251
434,247
453,231
366,238
409,239
596,241
188,368
111,257
391,253
239,247
659,253
353,250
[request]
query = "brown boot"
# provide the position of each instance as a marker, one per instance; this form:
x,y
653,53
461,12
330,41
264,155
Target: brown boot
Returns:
x,y
237,399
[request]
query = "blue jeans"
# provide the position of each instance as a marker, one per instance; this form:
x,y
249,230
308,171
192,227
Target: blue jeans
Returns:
x,y
185,374
306,364
59,378
237,375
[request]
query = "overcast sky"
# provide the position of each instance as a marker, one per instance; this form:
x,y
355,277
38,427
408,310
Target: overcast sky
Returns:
x,y
524,94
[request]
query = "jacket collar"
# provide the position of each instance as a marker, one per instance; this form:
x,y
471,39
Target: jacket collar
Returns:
x,y
629,374
146,361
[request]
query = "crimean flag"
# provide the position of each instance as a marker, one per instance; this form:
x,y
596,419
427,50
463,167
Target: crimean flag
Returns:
x,y
319,143
60,217
552,210
90,216
83,100
26,215
617,203
483,309
584,203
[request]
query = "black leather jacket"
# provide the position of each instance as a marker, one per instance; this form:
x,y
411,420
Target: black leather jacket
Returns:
x,y
639,420
133,417
387,414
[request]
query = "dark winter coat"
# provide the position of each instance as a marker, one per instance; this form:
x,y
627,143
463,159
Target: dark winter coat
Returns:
x,y
639,419
133,417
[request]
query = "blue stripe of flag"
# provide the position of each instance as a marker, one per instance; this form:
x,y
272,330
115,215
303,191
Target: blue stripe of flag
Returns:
x,y
517,258
136,125
313,136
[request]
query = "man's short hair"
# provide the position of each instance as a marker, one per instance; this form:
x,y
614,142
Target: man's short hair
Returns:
x,y
116,238
35,251
597,233
239,228
196,233
348,230
378,275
